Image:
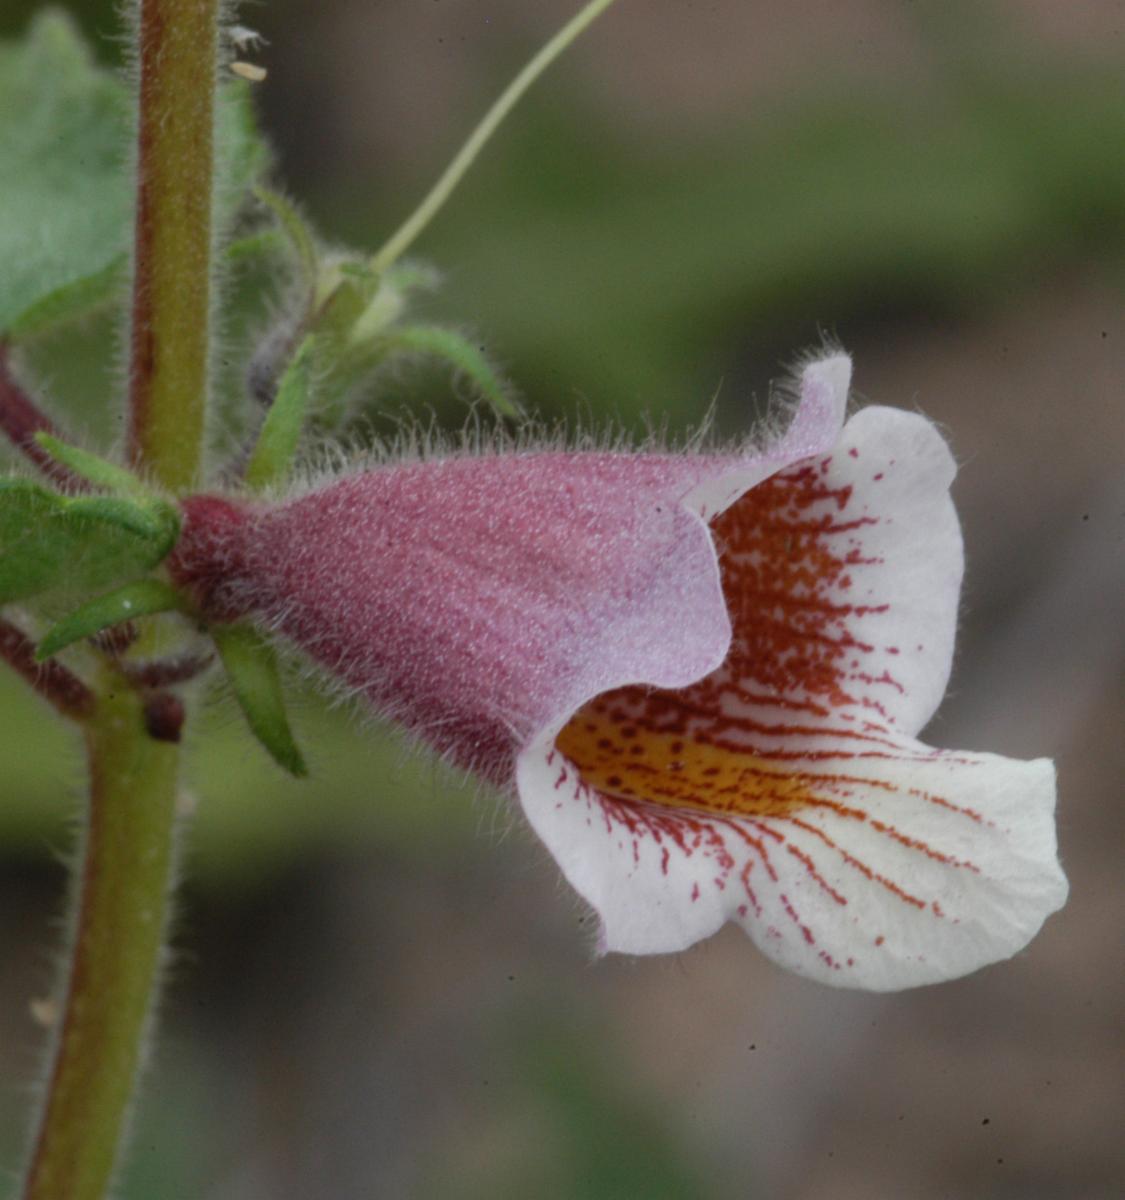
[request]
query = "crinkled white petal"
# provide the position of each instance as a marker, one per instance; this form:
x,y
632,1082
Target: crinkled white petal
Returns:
x,y
822,399
897,871
910,557
842,574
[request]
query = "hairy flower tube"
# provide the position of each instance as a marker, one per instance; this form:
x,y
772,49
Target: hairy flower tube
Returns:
x,y
703,673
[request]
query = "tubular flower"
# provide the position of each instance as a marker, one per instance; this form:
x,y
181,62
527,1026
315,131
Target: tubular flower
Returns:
x,y
703,673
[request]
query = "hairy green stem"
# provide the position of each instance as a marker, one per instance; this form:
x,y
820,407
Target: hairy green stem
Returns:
x,y
118,938
121,903
401,240
168,369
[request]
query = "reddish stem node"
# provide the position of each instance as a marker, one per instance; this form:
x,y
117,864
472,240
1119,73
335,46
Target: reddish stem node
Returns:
x,y
21,419
164,716
50,679
166,672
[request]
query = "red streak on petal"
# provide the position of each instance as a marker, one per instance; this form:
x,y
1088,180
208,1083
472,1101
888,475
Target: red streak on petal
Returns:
x,y
923,848
810,866
941,802
730,757
862,867
791,913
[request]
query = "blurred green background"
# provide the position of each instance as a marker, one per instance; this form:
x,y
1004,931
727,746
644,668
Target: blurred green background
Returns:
x,y
381,987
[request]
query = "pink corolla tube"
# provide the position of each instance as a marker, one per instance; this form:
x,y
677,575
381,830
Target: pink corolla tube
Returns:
x,y
703,674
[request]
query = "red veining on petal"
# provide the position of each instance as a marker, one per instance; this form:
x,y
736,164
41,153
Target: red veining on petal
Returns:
x,y
811,867
861,867
942,802
787,546
738,772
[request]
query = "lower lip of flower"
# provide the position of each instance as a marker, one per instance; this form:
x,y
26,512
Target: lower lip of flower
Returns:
x,y
622,757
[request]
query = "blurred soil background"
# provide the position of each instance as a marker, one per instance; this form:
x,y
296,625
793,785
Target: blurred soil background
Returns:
x,y
381,986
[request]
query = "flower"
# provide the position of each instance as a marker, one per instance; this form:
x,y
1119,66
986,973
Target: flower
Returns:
x,y
704,674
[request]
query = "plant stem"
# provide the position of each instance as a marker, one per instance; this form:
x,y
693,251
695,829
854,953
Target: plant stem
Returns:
x,y
50,679
123,901
168,376
21,419
128,851
401,240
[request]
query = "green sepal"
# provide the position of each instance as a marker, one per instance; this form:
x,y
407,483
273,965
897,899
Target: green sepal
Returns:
x,y
385,298
263,244
141,598
153,522
280,434
251,664
48,541
456,350
297,231
356,305
344,291
98,471
242,155
358,317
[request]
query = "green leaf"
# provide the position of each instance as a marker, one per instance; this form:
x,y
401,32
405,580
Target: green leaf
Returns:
x,y
150,521
251,664
64,203
37,548
298,232
72,300
52,542
345,289
356,313
456,350
242,155
141,598
66,192
386,297
91,467
261,245
412,276
281,432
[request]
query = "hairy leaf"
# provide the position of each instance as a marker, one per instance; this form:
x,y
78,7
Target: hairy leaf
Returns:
x,y
64,203
281,432
466,359
94,469
297,231
66,196
51,542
